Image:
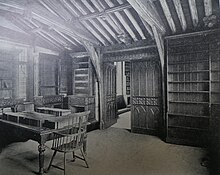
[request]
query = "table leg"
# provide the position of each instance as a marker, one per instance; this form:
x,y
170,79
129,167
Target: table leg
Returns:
x,y
41,149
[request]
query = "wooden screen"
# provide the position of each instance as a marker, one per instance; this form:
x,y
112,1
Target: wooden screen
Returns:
x,y
146,97
109,83
48,74
192,84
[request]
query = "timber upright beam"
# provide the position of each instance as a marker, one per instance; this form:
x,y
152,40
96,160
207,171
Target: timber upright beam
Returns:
x,y
30,72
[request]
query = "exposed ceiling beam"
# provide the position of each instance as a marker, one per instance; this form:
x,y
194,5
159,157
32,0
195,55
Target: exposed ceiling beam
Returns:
x,y
49,39
85,2
55,38
194,13
78,6
44,4
107,11
103,22
208,7
129,49
179,11
98,27
69,7
102,31
75,31
85,23
146,9
94,33
147,27
54,8
11,35
79,54
168,15
112,20
123,21
133,21
38,30
64,36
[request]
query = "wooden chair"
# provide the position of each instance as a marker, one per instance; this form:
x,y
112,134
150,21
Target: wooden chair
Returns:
x,y
71,140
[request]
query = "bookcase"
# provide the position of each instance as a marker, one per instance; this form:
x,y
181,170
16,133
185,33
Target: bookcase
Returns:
x,y
128,77
193,97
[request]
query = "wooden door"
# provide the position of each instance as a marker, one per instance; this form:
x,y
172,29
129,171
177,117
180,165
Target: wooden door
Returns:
x,y
109,85
146,103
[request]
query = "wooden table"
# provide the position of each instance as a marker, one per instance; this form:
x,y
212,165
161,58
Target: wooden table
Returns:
x,y
54,111
39,133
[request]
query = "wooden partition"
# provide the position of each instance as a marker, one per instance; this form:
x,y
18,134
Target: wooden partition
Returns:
x,y
146,101
193,96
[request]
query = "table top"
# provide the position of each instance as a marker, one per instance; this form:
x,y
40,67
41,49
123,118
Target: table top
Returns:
x,y
54,109
36,116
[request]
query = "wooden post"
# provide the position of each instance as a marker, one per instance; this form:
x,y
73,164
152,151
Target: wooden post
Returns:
x,y
30,73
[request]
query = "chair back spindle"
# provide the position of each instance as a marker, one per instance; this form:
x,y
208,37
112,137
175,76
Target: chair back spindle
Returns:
x,y
75,133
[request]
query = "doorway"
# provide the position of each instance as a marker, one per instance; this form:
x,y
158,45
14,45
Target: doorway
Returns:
x,y
140,91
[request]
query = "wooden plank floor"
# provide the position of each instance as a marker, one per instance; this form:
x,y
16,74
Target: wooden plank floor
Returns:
x,y
111,152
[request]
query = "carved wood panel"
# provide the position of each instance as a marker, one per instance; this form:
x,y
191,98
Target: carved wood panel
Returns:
x,y
110,109
146,97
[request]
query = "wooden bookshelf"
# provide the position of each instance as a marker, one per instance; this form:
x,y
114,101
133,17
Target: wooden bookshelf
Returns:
x,y
193,88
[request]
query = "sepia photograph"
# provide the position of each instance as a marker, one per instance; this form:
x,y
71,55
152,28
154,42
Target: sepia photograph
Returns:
x,y
109,87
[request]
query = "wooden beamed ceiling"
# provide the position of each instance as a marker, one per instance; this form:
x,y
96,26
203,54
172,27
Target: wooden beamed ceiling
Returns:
x,y
64,24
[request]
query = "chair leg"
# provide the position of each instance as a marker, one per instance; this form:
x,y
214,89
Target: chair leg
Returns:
x,y
51,161
74,157
83,154
64,163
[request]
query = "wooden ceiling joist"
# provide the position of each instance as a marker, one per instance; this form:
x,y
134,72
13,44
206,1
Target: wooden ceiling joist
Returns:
x,y
18,22
102,31
49,39
95,34
55,39
168,15
108,29
147,27
146,10
194,13
112,9
77,5
208,7
123,21
103,23
180,14
72,8
110,18
58,8
44,4
133,21
69,8
50,20
64,36
88,6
